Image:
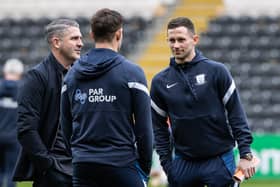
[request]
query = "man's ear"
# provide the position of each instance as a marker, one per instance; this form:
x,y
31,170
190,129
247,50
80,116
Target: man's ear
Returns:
x,y
196,39
119,34
56,42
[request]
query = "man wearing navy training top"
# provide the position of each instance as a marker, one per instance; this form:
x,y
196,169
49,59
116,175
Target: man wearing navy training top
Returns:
x,y
106,112
199,97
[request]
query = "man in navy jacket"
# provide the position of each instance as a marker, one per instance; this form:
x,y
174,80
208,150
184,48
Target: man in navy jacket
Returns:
x,y
13,70
44,158
199,97
106,112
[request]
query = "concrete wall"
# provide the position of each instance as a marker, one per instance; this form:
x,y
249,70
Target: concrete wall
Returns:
x,y
74,8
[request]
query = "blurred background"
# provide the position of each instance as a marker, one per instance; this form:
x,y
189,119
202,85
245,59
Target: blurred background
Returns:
x,y
243,34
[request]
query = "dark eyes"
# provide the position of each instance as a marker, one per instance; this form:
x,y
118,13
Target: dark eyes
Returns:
x,y
180,40
76,38
171,40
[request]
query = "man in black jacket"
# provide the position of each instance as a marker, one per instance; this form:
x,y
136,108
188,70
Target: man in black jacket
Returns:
x,y
13,70
44,158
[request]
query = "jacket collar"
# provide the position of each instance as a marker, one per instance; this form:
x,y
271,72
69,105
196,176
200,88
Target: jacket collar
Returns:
x,y
57,65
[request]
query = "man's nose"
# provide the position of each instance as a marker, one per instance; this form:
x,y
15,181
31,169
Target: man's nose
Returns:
x,y
80,43
176,44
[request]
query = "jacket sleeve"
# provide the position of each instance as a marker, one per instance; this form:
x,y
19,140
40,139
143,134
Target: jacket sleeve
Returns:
x,y
236,115
66,116
30,100
143,121
160,126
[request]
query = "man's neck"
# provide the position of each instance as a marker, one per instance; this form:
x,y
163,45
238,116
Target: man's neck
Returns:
x,y
106,45
63,61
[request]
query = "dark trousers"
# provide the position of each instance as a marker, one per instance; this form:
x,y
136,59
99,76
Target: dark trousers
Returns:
x,y
213,172
8,157
53,178
98,175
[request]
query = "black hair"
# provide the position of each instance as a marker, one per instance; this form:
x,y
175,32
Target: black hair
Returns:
x,y
181,21
104,24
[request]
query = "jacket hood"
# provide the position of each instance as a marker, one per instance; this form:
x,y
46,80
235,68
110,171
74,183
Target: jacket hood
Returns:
x,y
96,63
198,58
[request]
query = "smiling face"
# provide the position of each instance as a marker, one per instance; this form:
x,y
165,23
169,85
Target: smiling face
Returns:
x,y
70,44
182,43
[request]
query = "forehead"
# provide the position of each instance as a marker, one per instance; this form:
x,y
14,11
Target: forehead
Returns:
x,y
72,31
182,31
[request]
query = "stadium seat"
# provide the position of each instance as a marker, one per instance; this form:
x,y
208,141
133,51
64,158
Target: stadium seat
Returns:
x,y
24,38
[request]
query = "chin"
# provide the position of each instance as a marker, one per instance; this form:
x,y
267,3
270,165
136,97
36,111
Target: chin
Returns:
x,y
178,56
76,57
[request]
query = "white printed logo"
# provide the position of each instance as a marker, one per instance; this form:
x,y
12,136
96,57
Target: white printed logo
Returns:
x,y
79,96
200,79
96,95
171,85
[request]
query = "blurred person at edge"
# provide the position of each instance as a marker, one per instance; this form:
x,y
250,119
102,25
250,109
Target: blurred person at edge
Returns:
x,y
13,70
44,158
106,112
200,98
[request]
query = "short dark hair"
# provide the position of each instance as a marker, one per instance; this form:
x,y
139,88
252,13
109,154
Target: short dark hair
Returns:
x,y
181,21
57,28
104,24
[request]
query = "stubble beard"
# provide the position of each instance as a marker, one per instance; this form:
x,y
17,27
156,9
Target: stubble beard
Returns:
x,y
182,57
70,55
